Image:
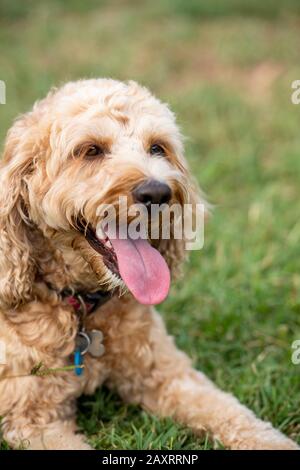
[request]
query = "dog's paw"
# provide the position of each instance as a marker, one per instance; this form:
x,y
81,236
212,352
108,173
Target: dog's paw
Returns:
x,y
268,440
58,442
58,436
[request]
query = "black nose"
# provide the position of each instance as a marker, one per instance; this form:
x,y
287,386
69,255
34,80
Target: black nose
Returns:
x,y
152,192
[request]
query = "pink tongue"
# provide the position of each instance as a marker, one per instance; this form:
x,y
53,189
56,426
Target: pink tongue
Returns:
x,y
143,270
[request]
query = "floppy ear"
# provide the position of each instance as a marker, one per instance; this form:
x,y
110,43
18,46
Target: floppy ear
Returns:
x,y
17,267
197,209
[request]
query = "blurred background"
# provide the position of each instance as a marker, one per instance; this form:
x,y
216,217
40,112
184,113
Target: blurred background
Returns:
x,y
226,68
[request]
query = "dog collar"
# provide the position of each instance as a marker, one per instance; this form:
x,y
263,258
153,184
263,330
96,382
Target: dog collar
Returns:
x,y
86,303
86,341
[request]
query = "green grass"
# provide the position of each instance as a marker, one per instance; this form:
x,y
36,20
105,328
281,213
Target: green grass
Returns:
x,y
227,72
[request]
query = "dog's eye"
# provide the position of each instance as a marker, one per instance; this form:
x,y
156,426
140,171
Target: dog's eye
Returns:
x,y
157,149
94,151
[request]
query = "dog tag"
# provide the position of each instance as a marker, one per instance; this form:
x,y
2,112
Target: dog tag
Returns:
x,y
78,362
83,342
96,348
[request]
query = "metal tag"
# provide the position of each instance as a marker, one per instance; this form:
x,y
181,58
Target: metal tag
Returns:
x,y
96,348
83,342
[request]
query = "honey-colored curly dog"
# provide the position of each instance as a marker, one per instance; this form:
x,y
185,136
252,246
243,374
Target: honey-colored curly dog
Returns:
x,y
82,146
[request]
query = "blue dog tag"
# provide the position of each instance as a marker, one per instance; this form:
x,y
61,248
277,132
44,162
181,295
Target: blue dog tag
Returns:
x,y
82,344
78,360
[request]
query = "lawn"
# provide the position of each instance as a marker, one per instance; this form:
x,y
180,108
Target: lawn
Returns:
x,y
226,68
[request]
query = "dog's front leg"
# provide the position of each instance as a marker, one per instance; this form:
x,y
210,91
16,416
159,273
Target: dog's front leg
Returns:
x,y
41,426
151,371
39,420
38,411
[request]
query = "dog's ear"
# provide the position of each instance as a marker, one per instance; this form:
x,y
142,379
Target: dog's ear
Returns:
x,y
17,267
196,211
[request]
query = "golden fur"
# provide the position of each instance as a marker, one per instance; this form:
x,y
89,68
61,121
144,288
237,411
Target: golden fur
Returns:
x,y
46,183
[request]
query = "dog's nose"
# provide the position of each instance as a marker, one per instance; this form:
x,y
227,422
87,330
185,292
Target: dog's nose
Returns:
x,y
152,192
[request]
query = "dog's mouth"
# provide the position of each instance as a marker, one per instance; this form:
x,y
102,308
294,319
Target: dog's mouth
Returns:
x,y
141,267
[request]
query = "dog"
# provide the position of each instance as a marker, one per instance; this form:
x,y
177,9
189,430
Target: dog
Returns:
x,y
77,310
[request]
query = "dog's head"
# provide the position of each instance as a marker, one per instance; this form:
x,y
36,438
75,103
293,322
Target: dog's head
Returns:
x,y
75,153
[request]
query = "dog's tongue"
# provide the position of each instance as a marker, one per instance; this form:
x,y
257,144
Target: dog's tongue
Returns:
x,y
143,270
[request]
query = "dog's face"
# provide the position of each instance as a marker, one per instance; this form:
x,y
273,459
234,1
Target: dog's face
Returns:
x,y
82,148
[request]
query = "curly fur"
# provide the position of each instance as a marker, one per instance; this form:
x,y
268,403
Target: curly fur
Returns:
x,y
46,185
